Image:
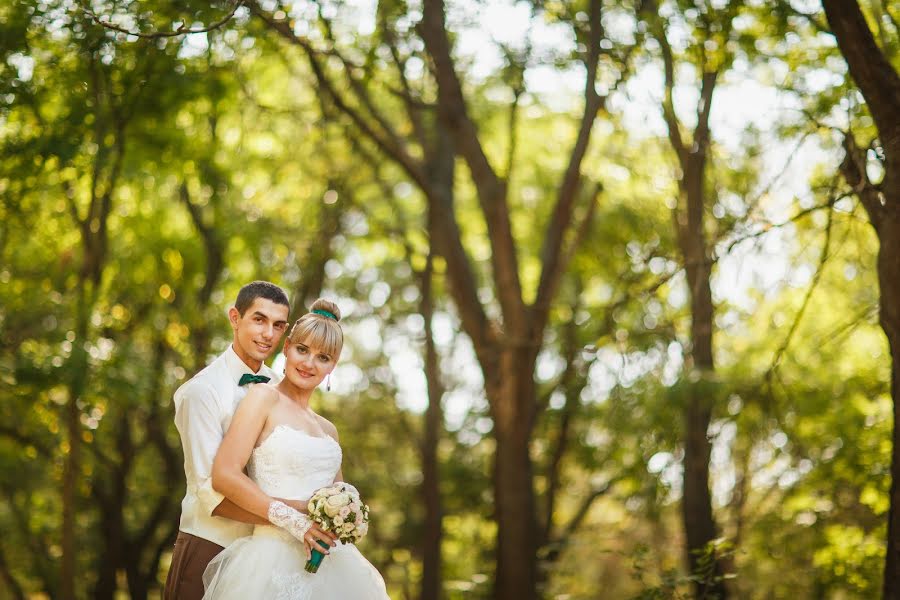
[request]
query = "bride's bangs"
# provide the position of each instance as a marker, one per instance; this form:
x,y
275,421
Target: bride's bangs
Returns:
x,y
316,333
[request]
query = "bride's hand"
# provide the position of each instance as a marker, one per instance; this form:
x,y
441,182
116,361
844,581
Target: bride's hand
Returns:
x,y
312,536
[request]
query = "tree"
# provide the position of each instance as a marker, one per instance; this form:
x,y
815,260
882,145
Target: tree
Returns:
x,y
506,345
879,83
711,53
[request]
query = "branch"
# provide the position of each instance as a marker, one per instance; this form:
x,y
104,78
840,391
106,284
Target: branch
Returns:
x,y
516,65
397,153
582,512
558,262
704,107
181,30
753,204
356,85
551,252
668,105
12,585
886,7
572,393
37,544
491,189
823,258
214,260
446,238
13,433
512,126
873,73
462,279
768,227
554,258
413,106
810,18
853,168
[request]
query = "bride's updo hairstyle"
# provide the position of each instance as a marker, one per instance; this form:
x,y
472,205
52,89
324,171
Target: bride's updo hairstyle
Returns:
x,y
319,328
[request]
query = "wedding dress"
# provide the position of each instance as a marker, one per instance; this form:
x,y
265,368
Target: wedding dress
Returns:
x,y
269,565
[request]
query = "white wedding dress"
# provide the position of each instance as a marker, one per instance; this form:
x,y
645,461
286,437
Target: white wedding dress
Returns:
x,y
269,565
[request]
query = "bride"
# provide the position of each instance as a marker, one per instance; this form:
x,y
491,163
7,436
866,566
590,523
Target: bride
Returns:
x,y
289,452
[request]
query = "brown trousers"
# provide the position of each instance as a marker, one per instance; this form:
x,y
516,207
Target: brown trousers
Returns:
x,y
192,555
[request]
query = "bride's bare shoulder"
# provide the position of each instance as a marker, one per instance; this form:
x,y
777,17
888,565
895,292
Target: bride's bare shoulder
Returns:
x,y
327,426
261,394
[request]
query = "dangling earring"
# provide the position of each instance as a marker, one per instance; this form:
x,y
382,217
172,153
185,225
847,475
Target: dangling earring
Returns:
x,y
328,382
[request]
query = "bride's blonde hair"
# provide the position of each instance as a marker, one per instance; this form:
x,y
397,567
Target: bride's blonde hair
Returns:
x,y
319,328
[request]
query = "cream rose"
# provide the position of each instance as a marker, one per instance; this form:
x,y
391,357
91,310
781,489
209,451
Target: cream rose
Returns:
x,y
334,503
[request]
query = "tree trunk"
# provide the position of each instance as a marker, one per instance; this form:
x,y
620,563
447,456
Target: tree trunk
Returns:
x,y
697,513
441,162
879,83
12,586
434,419
513,398
72,468
889,281
114,552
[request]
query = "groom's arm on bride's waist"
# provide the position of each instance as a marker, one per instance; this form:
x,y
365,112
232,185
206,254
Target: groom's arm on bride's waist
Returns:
x,y
228,509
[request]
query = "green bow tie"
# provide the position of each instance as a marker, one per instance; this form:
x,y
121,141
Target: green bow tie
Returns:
x,y
250,378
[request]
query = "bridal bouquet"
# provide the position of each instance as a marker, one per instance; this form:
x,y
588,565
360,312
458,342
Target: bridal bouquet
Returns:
x,y
337,508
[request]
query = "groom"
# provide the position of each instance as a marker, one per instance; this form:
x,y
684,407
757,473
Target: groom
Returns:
x,y
204,406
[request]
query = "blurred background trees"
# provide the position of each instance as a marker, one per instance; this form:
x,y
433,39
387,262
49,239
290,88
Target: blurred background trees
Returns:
x,y
615,277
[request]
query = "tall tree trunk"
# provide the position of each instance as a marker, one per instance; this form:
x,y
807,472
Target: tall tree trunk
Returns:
x,y
72,469
696,505
94,244
113,541
441,162
512,397
697,513
879,83
11,586
889,280
434,420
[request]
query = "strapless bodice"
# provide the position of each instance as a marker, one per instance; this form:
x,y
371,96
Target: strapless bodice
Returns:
x,y
293,464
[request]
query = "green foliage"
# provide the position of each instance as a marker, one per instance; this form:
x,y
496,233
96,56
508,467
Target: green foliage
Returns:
x,y
233,165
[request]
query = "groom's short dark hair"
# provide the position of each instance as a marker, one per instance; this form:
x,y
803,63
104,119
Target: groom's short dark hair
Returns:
x,y
259,289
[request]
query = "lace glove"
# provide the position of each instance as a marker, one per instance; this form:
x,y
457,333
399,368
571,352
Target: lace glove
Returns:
x,y
290,519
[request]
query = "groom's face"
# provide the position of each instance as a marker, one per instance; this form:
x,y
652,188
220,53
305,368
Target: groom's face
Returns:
x,y
258,331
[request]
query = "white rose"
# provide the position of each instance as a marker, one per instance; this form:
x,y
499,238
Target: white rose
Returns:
x,y
334,504
347,528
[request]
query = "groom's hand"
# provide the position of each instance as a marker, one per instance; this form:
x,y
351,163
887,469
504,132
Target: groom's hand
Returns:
x,y
295,504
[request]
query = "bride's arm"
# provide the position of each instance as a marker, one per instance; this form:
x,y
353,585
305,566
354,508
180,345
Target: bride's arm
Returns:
x,y
228,476
230,480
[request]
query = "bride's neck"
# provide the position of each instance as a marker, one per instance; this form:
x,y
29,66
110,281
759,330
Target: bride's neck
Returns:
x,y
297,395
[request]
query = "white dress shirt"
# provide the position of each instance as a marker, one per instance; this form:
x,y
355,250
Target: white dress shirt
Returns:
x,y
204,405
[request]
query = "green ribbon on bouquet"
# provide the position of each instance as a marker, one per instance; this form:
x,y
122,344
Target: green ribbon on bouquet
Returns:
x,y
312,565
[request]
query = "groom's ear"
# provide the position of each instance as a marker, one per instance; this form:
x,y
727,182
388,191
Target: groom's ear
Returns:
x,y
234,317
